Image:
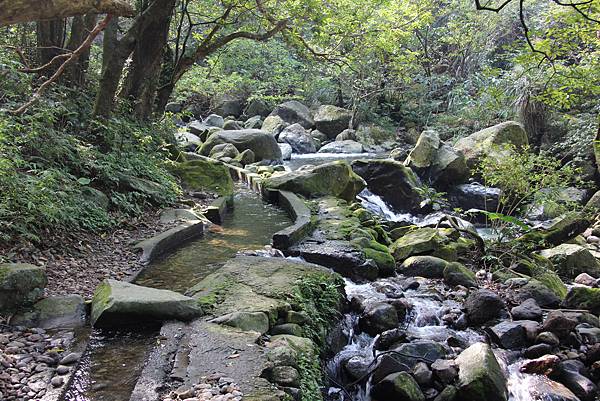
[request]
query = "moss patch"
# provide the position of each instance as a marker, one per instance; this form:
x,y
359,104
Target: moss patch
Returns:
x,y
205,175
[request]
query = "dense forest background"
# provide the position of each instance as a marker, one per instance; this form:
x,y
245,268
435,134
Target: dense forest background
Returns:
x,y
89,143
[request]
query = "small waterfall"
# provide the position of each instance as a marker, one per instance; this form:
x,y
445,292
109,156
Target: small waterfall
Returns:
x,y
375,204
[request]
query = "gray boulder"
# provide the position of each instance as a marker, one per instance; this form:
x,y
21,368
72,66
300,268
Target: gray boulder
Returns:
x,y
253,123
570,260
332,120
21,284
474,196
480,376
490,142
437,162
188,141
65,311
298,138
482,306
378,318
214,120
527,310
397,386
226,105
347,147
231,125
395,183
286,151
224,150
274,125
117,303
345,135
335,179
257,107
293,112
260,142
423,266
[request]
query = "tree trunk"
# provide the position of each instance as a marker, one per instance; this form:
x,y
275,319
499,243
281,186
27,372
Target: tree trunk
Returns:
x,y
16,11
80,28
114,59
50,40
110,40
143,74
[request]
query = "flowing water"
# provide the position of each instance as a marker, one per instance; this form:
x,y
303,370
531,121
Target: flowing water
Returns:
x,y
114,360
315,159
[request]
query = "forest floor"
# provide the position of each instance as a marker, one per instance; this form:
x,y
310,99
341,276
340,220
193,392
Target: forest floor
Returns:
x,y
76,262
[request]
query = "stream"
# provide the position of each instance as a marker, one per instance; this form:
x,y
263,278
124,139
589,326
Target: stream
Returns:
x,y
114,359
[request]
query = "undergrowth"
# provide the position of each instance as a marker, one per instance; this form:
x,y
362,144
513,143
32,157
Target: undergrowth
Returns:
x,y
61,171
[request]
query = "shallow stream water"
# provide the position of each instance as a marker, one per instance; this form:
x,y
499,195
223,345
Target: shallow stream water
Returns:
x,y
114,359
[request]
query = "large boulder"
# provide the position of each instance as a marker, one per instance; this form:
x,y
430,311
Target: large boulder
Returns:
x,y
346,146
205,175
395,183
570,260
397,386
437,161
332,120
482,306
421,241
480,376
423,266
260,142
257,107
53,312
226,105
298,138
187,141
335,179
274,125
20,284
490,141
583,298
293,112
378,318
474,196
117,303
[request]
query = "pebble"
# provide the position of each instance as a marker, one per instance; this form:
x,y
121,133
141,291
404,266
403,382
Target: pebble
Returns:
x,y
26,366
70,358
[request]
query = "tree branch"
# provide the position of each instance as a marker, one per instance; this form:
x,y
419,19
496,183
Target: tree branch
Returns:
x,y
73,56
17,11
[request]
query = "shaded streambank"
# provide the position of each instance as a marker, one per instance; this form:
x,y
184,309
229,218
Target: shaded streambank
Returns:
x,y
114,359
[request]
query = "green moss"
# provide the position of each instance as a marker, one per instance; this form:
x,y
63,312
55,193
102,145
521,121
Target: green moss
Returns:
x,y
319,296
584,298
3,272
205,175
310,378
541,269
101,300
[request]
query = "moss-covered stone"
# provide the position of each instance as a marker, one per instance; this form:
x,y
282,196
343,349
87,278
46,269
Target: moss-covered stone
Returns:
x,y
457,274
542,270
330,179
583,298
205,175
21,284
420,241
570,260
454,250
480,375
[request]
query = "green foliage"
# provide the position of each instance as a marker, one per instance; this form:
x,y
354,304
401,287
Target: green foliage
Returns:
x,y
319,296
310,377
49,159
525,178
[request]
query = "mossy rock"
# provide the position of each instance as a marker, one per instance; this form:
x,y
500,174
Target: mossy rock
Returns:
x,y
330,179
377,252
457,274
583,298
421,241
570,260
454,250
205,175
565,229
21,284
542,270
480,375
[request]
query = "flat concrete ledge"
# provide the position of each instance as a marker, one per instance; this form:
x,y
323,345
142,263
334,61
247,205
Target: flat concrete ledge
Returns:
x,y
218,208
159,362
297,210
169,240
